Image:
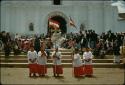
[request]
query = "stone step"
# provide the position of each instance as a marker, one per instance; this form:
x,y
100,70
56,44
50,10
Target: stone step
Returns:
x,y
23,53
63,56
62,50
111,57
65,65
24,56
51,50
11,53
24,60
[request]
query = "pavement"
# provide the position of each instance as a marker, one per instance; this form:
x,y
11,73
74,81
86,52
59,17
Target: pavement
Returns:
x,y
102,76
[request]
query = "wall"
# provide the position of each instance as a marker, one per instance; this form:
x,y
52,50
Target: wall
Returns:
x,y
120,26
16,16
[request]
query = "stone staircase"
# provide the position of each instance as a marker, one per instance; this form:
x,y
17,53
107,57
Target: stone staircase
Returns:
x,y
20,61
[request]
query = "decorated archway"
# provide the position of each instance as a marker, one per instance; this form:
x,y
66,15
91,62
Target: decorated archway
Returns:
x,y
58,19
57,23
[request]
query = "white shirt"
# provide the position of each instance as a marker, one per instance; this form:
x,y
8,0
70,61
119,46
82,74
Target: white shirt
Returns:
x,y
57,60
32,56
77,60
87,55
42,60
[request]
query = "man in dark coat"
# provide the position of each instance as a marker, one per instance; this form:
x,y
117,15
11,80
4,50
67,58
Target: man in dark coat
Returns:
x,y
116,51
37,44
7,49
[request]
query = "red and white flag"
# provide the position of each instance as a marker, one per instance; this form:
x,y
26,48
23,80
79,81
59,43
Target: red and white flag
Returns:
x,y
72,23
54,24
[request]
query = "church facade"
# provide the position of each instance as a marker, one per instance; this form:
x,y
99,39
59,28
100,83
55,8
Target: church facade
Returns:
x,y
31,17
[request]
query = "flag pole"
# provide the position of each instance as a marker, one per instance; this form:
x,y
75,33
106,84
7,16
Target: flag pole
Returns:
x,y
72,22
55,54
72,57
55,57
45,58
72,62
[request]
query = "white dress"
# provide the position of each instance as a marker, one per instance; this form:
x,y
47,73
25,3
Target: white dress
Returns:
x,y
32,56
77,62
86,56
57,60
42,60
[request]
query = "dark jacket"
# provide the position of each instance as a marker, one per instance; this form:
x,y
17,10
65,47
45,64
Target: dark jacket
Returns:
x,y
116,48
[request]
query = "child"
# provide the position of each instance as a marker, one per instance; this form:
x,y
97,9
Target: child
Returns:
x,y
87,57
77,64
32,60
42,60
57,67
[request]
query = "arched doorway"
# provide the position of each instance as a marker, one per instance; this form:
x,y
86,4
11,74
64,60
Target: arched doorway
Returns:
x,y
62,24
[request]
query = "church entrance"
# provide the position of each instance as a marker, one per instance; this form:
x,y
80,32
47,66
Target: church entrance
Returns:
x,y
58,21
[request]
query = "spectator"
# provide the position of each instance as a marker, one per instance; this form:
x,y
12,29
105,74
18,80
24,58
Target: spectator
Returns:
x,y
37,44
16,47
7,49
116,51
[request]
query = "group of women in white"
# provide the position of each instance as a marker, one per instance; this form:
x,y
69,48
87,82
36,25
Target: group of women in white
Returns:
x,y
38,63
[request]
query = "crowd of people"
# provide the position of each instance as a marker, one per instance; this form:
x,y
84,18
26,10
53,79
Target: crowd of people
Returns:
x,y
19,44
105,43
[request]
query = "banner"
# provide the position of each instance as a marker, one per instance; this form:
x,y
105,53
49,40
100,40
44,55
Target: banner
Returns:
x,y
54,24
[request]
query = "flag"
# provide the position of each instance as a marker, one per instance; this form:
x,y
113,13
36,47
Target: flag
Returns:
x,y
54,24
72,23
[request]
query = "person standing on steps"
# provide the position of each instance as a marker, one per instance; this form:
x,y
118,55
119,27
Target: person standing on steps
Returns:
x,y
57,67
32,60
77,64
116,51
42,61
87,58
37,44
